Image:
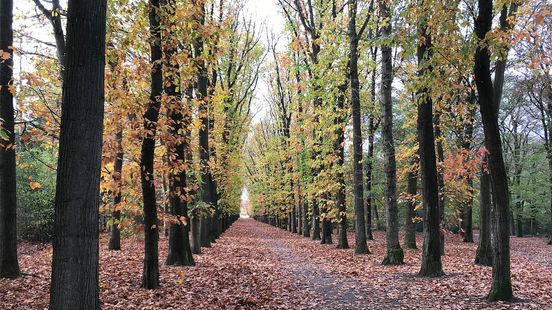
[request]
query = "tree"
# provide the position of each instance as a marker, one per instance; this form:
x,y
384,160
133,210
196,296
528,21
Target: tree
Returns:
x,y
9,266
395,254
180,252
431,257
361,246
150,273
489,102
75,245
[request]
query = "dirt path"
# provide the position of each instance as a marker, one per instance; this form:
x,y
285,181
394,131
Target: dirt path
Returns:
x,y
257,266
331,289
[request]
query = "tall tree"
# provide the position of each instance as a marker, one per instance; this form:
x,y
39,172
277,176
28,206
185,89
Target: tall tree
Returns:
x,y
9,266
501,288
431,257
150,272
75,245
395,254
180,252
361,246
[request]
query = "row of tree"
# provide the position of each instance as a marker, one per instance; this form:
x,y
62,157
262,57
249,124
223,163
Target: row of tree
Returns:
x,y
419,71
150,126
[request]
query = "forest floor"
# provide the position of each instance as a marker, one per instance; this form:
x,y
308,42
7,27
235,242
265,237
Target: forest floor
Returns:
x,y
257,266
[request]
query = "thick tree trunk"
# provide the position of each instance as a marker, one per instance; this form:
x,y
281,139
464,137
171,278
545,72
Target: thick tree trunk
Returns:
x,y
410,225
361,247
115,234
395,254
9,266
150,272
501,288
75,245
431,257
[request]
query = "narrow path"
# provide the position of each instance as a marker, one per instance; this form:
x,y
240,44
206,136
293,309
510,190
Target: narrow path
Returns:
x,y
331,289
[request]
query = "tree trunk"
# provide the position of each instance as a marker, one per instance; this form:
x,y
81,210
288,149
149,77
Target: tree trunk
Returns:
x,y
361,247
115,235
431,257
395,254
150,272
207,190
484,255
196,235
9,266
410,225
369,167
180,252
315,220
306,228
440,178
501,288
75,245
467,218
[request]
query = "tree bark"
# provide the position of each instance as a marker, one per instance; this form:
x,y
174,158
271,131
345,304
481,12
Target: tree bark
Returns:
x,y
410,225
75,245
395,254
501,288
180,252
115,234
361,247
9,266
431,257
150,272
484,255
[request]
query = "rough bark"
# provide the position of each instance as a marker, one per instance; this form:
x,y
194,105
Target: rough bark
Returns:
x,y
394,255
75,245
9,266
501,287
150,272
431,257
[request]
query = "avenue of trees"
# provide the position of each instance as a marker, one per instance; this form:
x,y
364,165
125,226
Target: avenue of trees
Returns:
x,y
138,118
421,115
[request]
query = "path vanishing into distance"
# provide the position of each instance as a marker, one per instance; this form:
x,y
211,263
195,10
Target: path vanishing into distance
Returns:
x,y
257,266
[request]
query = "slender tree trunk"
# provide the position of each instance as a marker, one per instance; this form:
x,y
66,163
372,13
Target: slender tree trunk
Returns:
x,y
115,235
315,221
410,225
501,288
150,273
196,235
395,254
440,177
431,257
306,228
361,247
207,190
467,219
75,245
9,266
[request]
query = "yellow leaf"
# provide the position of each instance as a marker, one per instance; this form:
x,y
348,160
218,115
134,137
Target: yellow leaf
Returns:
x,y
35,185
